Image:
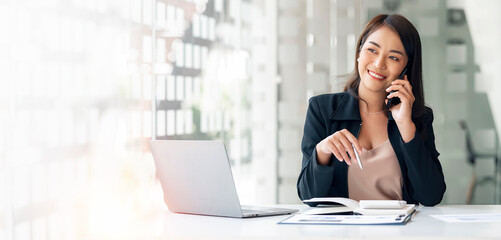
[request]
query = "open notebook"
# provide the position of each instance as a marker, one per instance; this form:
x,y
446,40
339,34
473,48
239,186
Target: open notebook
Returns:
x,y
351,212
364,207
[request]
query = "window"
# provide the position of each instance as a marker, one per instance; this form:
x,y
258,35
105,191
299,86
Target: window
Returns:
x,y
92,83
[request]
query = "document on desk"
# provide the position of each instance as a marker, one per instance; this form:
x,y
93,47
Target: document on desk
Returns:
x,y
469,218
347,219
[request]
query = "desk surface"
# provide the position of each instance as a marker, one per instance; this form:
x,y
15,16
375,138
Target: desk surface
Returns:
x,y
167,225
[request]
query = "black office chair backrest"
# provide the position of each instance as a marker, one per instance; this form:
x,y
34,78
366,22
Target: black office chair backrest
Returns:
x,y
469,144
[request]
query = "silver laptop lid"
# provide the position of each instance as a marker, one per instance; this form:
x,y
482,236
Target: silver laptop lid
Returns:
x,y
196,177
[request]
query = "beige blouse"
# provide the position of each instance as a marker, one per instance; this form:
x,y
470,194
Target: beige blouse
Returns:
x,y
381,178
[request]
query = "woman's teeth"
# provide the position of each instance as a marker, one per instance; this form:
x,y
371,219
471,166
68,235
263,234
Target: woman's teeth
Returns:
x,y
376,75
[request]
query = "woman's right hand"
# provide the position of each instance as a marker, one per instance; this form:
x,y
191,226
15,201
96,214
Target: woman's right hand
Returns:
x,y
341,145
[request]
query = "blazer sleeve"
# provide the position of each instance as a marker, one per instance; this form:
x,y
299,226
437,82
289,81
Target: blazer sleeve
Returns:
x,y
425,174
314,180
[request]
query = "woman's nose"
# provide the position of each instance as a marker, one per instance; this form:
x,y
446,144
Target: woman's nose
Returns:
x,y
379,63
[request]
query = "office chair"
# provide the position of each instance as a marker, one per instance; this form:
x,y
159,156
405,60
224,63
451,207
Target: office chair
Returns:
x,y
472,156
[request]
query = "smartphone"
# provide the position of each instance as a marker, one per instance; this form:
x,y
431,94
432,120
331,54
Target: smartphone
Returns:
x,y
395,100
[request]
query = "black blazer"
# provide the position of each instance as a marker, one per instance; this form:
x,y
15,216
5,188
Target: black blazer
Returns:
x,y
423,179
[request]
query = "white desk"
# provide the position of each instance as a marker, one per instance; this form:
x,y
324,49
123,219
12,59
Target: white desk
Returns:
x,y
168,225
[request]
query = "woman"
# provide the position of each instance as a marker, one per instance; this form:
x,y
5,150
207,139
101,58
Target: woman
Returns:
x,y
396,145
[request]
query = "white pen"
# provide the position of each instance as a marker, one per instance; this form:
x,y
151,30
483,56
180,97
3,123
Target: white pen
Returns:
x,y
358,157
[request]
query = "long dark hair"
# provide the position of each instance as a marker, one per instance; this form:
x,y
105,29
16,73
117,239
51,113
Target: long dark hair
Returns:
x,y
412,45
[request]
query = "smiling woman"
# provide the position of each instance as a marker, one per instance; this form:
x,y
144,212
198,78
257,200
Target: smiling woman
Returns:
x,y
396,145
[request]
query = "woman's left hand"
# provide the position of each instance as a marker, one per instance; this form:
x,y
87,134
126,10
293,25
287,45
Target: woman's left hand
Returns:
x,y
402,113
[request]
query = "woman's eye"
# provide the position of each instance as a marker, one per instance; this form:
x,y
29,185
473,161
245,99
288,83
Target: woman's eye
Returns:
x,y
371,50
394,58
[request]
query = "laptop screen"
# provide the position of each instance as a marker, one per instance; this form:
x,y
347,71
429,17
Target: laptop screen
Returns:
x,y
196,177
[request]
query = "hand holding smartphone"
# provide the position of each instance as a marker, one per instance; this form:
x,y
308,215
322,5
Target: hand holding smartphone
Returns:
x,y
395,100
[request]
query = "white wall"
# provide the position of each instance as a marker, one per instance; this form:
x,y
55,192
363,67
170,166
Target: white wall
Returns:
x,y
484,21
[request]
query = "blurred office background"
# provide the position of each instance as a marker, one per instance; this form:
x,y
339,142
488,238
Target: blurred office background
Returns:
x,y
85,84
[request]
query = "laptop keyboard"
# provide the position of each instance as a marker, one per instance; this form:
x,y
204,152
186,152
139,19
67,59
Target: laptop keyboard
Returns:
x,y
257,210
253,211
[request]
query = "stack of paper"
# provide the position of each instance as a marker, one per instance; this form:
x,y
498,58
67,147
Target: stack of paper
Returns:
x,y
347,219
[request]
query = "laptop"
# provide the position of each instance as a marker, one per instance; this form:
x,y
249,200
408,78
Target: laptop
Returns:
x,y
196,178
